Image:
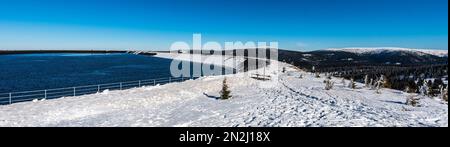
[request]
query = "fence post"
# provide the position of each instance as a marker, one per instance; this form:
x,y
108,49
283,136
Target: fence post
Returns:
x,y
98,89
154,82
10,98
74,91
139,83
170,79
120,85
45,94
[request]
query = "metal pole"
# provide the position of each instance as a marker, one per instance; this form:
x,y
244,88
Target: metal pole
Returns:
x,y
10,98
154,82
170,79
98,89
120,86
139,83
45,94
74,91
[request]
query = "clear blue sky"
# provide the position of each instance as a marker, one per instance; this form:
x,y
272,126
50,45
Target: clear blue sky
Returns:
x,y
155,24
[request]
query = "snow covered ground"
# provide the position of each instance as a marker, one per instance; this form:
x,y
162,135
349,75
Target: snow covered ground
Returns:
x,y
284,101
227,61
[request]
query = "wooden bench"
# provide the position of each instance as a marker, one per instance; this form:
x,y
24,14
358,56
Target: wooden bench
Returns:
x,y
261,77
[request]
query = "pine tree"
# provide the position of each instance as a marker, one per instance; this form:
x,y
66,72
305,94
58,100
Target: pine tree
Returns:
x,y
372,84
419,83
329,84
412,87
379,84
225,93
423,88
444,93
386,83
366,81
352,84
430,88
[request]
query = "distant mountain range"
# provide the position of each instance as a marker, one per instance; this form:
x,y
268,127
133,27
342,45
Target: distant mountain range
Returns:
x,y
439,53
365,57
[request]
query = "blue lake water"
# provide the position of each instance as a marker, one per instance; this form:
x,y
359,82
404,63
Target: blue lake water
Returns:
x,y
47,71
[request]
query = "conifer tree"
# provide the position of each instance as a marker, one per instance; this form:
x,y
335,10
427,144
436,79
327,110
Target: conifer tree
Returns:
x,y
386,83
372,84
379,84
225,93
430,88
329,84
352,84
366,81
444,93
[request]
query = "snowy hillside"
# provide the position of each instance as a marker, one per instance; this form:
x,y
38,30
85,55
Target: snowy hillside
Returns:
x,y
226,61
286,100
439,53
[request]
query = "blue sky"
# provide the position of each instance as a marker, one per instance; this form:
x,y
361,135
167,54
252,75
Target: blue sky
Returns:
x,y
156,24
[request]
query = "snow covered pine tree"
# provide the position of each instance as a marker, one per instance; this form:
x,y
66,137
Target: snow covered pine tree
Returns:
x,y
329,84
367,81
352,84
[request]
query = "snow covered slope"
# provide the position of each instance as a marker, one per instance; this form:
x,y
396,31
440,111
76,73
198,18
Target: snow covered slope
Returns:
x,y
439,53
284,101
226,61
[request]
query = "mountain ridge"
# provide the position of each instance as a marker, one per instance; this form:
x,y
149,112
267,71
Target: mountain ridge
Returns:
x,y
378,50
